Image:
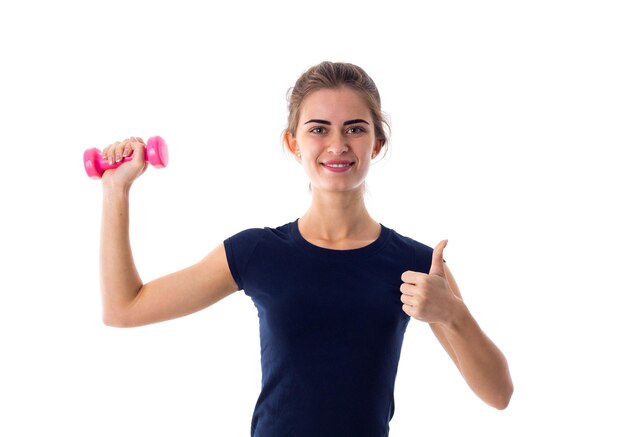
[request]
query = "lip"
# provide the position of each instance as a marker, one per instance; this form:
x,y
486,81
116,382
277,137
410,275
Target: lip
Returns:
x,y
337,166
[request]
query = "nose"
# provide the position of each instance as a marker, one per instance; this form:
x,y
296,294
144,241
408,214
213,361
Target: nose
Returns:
x,y
337,144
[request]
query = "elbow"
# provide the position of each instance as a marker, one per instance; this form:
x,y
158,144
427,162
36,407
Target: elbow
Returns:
x,y
112,322
503,400
501,404
115,320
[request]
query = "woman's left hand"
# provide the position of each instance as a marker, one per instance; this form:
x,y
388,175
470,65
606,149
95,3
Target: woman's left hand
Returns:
x,y
428,297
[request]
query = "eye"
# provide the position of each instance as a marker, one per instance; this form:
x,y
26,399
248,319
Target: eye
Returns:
x,y
355,130
317,130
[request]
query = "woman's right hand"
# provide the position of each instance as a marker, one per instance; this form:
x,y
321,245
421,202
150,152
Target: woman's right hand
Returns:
x,y
125,174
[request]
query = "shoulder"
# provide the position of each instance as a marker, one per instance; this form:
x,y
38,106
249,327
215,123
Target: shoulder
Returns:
x,y
247,235
248,239
250,244
265,232
408,242
402,244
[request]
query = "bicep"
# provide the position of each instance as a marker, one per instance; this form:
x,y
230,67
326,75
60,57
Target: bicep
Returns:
x,y
183,292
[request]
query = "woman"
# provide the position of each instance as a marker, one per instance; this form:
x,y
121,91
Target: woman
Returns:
x,y
334,289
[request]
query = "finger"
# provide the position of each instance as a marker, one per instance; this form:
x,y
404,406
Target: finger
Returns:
x,y
436,266
407,289
409,310
138,150
412,277
128,149
408,300
105,152
110,154
119,151
408,277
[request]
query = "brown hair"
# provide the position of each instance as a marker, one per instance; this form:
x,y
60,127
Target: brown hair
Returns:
x,y
335,75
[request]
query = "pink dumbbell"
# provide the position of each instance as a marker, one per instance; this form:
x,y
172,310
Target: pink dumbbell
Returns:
x,y
95,164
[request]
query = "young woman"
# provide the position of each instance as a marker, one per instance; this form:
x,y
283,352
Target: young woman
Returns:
x,y
334,289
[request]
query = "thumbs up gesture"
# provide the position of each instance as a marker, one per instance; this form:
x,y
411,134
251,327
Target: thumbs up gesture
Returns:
x,y
428,297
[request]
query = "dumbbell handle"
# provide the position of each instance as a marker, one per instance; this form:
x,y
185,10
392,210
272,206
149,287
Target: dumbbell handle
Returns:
x,y
155,154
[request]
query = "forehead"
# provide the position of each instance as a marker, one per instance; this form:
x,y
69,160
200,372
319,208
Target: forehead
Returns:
x,y
334,104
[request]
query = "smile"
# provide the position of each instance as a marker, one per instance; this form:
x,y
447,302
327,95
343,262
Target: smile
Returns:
x,y
338,166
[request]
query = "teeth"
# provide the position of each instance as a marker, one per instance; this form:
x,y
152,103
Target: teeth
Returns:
x,y
337,165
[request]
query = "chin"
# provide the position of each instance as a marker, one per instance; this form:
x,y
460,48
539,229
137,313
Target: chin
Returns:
x,y
338,188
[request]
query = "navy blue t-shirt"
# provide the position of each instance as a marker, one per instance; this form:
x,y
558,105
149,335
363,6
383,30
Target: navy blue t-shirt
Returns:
x,y
331,329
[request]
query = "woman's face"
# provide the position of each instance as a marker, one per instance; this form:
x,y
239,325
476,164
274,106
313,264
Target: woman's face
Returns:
x,y
335,139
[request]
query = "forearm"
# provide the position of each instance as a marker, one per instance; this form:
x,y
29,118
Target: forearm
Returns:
x,y
481,363
119,279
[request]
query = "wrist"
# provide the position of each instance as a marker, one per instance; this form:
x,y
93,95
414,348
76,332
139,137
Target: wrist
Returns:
x,y
459,316
113,189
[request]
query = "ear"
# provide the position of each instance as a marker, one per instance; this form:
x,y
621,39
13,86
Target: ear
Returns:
x,y
290,141
377,148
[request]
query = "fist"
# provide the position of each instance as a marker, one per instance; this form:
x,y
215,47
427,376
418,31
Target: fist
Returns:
x,y
428,297
127,172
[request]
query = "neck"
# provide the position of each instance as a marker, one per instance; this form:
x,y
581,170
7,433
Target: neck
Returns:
x,y
338,216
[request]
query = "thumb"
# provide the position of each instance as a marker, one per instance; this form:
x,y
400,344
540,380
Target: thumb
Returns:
x,y
436,266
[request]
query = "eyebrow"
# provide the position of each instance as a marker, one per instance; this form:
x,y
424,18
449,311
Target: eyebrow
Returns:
x,y
345,123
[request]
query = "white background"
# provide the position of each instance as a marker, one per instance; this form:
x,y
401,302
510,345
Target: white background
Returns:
x,y
508,130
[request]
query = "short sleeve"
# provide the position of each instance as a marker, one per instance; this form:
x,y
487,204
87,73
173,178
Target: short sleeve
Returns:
x,y
424,256
239,249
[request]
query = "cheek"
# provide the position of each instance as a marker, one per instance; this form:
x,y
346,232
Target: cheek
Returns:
x,y
365,157
365,167
309,162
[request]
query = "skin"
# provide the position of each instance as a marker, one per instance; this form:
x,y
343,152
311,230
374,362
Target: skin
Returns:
x,y
334,124
126,300
338,219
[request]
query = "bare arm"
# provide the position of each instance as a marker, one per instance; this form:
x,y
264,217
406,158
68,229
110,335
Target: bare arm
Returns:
x,y
435,298
126,301
479,360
